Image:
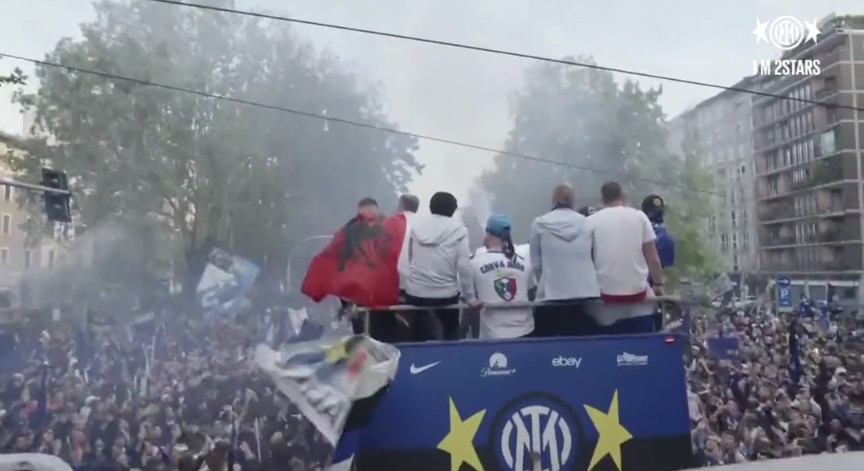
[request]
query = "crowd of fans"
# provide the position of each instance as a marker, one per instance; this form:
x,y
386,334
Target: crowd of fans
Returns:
x,y
749,407
182,397
191,400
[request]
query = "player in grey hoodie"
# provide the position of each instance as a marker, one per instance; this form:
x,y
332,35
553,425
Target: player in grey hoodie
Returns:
x,y
440,269
561,248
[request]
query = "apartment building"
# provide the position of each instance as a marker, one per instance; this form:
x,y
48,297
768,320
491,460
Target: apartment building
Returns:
x,y
21,255
809,166
15,256
718,131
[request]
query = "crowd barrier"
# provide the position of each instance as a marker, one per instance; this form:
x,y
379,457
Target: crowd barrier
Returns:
x,y
579,403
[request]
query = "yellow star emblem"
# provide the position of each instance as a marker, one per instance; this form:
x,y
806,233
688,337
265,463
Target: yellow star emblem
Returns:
x,y
612,433
459,442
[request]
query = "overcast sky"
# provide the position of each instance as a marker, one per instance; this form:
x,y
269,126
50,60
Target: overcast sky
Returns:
x,y
463,95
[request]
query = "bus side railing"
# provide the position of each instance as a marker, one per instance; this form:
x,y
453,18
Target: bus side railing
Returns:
x,y
661,301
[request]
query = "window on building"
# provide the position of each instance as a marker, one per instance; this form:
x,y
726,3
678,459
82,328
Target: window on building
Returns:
x,y
7,193
28,258
734,221
735,240
745,240
735,263
724,242
7,224
829,142
4,256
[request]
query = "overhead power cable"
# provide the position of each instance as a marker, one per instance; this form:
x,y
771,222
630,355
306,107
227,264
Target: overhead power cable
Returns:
x,y
334,119
520,55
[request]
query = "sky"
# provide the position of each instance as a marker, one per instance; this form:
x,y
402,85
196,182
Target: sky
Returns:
x,y
464,95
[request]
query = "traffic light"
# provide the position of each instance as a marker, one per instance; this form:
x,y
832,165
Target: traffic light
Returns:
x,y
57,206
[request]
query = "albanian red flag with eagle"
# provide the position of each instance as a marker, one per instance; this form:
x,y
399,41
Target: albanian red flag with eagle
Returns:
x,y
360,264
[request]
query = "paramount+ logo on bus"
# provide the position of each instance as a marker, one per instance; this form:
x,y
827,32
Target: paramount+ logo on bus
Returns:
x,y
787,33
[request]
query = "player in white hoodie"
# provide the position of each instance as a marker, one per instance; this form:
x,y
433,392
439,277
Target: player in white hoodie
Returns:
x,y
439,270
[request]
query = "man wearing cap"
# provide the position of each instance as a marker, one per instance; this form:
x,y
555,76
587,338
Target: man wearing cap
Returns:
x,y
501,276
653,206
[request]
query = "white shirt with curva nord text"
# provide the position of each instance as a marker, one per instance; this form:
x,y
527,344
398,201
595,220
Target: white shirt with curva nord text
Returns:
x,y
499,280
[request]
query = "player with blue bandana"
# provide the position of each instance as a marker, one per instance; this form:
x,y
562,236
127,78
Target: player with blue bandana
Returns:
x,y
501,276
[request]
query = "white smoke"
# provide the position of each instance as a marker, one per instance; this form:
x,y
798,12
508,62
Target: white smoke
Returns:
x,y
481,202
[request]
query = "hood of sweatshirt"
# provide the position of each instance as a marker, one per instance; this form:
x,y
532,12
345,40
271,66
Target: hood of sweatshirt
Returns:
x,y
563,223
434,230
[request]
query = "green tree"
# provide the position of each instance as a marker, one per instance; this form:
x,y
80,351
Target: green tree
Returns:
x,y
586,120
688,208
17,77
175,169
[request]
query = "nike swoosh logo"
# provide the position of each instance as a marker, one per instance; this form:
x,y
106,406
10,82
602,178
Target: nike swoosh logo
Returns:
x,y
417,370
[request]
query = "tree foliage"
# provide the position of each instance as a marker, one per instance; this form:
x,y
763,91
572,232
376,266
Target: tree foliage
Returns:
x,y
17,77
600,130
180,169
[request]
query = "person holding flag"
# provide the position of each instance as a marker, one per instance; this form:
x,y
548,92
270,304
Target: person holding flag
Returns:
x,y
360,266
502,276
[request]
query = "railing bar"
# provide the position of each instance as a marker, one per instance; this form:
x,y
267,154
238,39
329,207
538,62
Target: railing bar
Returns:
x,y
408,307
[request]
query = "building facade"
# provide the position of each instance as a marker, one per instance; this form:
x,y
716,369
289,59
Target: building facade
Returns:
x,y
718,132
15,255
809,168
22,256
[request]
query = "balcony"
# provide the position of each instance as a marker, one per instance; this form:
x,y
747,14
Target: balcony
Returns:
x,y
777,211
831,235
782,266
824,92
821,173
777,241
809,266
